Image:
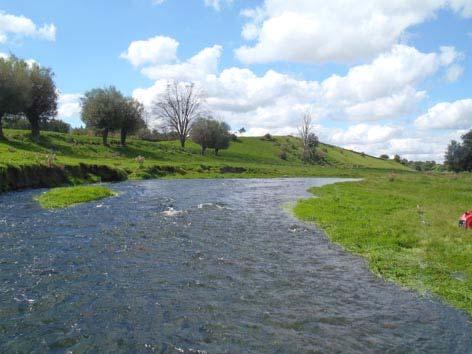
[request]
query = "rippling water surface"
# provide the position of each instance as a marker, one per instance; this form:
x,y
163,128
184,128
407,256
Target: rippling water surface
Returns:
x,y
194,266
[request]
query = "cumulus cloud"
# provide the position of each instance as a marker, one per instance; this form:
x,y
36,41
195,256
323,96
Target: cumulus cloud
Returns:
x,y
198,67
69,105
21,26
317,31
156,50
447,115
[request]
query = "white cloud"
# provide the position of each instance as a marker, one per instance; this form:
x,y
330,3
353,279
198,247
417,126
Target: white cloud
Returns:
x,y
157,2
21,26
316,31
69,105
197,67
386,88
447,115
364,134
156,50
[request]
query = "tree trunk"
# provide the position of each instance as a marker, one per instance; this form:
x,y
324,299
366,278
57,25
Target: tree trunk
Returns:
x,y
182,141
216,152
203,150
105,137
124,133
35,130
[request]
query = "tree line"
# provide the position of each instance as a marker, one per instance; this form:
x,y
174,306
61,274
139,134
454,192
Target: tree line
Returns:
x,y
29,98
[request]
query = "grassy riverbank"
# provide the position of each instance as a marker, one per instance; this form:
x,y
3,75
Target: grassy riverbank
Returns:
x,y
68,196
248,157
406,228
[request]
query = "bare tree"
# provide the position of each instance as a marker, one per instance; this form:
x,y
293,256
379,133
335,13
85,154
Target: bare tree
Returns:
x,y
178,107
309,139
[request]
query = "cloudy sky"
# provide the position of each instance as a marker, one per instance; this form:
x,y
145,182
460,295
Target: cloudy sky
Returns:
x,y
379,76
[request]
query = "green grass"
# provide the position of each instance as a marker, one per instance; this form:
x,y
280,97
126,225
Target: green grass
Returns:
x,y
259,158
406,229
66,196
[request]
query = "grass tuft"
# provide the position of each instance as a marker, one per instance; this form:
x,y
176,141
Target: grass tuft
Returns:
x,y
66,196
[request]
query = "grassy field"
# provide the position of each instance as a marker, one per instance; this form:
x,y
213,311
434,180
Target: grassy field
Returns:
x,y
67,196
256,156
406,226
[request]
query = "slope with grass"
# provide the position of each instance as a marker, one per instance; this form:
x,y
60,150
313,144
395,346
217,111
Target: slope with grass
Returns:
x,y
406,228
248,157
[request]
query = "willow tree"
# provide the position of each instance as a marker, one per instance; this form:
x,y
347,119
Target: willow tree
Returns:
x,y
15,88
43,104
132,118
102,110
178,107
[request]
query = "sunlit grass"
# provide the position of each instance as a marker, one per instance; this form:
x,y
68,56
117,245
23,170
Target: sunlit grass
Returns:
x,y
406,228
66,196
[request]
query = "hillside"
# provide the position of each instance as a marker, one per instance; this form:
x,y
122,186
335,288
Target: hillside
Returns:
x,y
248,157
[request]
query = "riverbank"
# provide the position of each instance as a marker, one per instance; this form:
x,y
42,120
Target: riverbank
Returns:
x,y
65,159
405,226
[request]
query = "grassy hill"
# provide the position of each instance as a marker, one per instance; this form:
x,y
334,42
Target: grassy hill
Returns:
x,y
72,149
248,157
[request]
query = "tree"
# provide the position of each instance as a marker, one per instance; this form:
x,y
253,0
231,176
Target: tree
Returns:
x,y
102,110
308,138
458,156
131,119
397,158
210,134
15,88
242,130
178,107
222,137
203,130
43,104
384,157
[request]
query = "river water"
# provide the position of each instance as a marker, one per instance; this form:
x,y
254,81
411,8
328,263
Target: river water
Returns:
x,y
195,266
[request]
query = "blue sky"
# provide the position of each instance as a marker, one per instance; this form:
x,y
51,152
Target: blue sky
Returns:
x,y
377,77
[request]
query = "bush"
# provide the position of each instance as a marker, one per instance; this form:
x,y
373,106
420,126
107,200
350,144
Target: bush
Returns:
x,y
267,137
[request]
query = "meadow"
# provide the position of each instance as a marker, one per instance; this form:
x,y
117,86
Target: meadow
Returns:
x,y
405,226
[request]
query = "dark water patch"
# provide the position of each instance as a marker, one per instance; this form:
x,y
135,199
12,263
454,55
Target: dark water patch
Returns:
x,y
200,266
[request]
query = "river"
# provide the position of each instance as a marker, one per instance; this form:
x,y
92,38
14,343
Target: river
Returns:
x,y
195,266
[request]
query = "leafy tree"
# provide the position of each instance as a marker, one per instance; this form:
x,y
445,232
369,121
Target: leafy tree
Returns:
x,y
102,110
222,137
203,133
384,157
397,158
210,134
15,88
43,104
242,130
131,119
